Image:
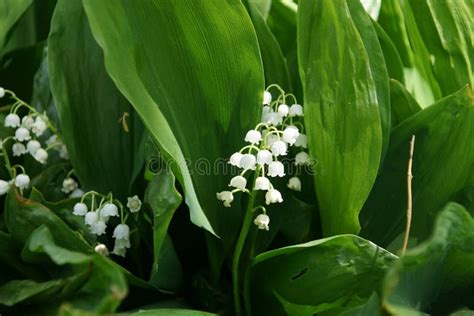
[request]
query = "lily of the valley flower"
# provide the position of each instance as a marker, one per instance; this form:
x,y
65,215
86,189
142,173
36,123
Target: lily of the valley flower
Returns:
x,y
301,141
264,157
69,185
18,149
39,127
33,146
290,134
267,97
122,231
80,209
2,92
283,110
253,137
12,120
4,187
238,182
262,221
27,121
122,239
98,228
273,196
279,148
109,209
134,204
22,181
41,156
22,134
235,159
262,183
296,110
248,162
294,184
76,193
302,158
101,249
91,218
276,169
225,196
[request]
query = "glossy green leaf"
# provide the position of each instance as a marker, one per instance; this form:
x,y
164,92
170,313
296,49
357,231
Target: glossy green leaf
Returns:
x,y
403,105
442,166
334,273
342,112
10,12
446,28
194,75
393,60
437,276
90,106
274,63
164,199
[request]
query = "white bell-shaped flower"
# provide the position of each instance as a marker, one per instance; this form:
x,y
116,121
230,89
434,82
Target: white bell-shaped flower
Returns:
x,y
266,109
262,221
4,187
91,218
120,247
122,231
109,209
296,110
2,92
53,139
33,146
69,185
247,162
41,155
77,193
27,121
273,196
98,228
63,152
18,149
39,126
253,137
12,120
101,249
294,184
134,204
264,157
276,169
79,209
238,182
271,139
302,158
235,159
290,134
225,196
22,134
22,181
279,148
267,97
273,118
283,110
301,141
262,183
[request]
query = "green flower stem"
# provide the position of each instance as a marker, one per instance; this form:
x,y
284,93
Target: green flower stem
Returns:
x,y
240,245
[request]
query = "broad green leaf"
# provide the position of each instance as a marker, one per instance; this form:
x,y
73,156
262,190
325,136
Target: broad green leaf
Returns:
x,y
274,63
17,291
263,6
393,60
193,73
403,105
371,307
90,106
10,12
164,199
378,69
442,167
23,216
171,312
342,114
333,273
437,276
446,28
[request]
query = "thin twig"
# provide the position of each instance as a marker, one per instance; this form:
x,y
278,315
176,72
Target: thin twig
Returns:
x,y
410,202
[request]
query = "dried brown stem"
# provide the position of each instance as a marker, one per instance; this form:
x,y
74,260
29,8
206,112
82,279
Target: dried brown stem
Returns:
x,y
410,202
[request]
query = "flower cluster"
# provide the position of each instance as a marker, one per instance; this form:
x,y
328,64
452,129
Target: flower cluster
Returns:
x,y
98,214
29,130
281,128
